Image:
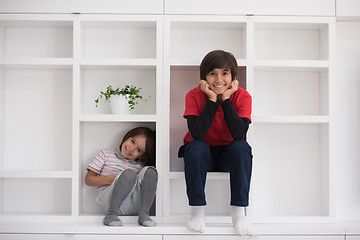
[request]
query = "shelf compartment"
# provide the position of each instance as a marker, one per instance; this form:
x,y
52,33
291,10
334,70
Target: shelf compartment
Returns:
x,y
195,39
117,118
95,137
217,193
291,91
36,39
37,119
291,160
119,39
97,78
291,41
182,80
38,196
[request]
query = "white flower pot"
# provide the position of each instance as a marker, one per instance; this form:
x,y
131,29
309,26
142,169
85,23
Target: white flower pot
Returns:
x,y
119,104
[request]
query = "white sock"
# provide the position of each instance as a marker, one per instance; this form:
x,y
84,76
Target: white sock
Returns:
x,y
239,220
197,218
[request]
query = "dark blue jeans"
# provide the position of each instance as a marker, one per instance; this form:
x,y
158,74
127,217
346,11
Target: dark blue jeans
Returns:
x,y
201,158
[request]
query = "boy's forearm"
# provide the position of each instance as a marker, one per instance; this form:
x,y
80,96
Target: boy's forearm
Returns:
x,y
237,126
199,125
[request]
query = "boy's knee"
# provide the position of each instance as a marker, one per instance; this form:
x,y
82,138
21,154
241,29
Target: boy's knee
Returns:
x,y
240,146
197,146
197,152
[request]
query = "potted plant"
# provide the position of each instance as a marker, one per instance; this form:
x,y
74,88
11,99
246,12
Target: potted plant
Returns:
x,y
121,100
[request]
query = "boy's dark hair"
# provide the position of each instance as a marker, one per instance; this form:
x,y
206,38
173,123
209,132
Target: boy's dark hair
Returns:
x,y
148,158
218,59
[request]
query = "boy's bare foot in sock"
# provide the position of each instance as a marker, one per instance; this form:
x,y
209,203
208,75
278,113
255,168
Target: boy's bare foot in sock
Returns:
x,y
239,220
197,219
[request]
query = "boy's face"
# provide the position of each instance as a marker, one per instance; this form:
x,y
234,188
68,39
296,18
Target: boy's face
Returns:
x,y
219,80
134,147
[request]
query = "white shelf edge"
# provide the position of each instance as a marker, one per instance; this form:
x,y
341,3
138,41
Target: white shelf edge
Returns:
x,y
37,17
289,119
35,174
306,219
117,118
14,62
293,19
118,61
210,175
169,229
119,17
291,63
352,228
175,18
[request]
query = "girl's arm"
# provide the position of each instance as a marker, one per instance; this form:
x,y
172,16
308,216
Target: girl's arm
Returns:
x,y
93,179
199,125
237,126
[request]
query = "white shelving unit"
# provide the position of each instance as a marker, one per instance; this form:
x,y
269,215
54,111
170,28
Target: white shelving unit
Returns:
x,y
52,68
36,118
286,65
117,50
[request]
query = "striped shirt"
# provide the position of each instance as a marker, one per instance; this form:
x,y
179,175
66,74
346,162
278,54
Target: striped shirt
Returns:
x,y
108,162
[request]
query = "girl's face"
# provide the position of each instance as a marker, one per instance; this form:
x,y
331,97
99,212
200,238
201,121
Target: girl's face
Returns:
x,y
219,80
134,147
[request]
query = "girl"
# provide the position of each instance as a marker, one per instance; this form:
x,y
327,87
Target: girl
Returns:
x,y
218,116
126,178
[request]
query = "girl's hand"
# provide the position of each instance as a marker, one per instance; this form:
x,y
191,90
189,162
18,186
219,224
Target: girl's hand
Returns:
x,y
205,87
92,179
233,87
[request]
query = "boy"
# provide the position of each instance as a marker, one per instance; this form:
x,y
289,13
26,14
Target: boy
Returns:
x,y
218,117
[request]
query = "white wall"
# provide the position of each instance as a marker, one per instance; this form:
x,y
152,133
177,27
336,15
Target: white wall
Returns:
x,y
347,120
348,8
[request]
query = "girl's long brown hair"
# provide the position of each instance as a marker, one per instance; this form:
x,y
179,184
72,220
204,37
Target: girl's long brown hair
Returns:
x,y
148,157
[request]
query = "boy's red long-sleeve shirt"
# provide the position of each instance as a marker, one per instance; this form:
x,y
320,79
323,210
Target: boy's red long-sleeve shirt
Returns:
x,y
218,134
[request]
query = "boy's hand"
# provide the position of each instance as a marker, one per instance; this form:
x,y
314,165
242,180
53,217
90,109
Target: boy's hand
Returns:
x,y
205,87
233,87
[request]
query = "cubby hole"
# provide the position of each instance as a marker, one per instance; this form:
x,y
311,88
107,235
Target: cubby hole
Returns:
x,y
291,91
36,108
118,39
94,137
36,39
97,78
193,40
291,41
38,196
291,166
